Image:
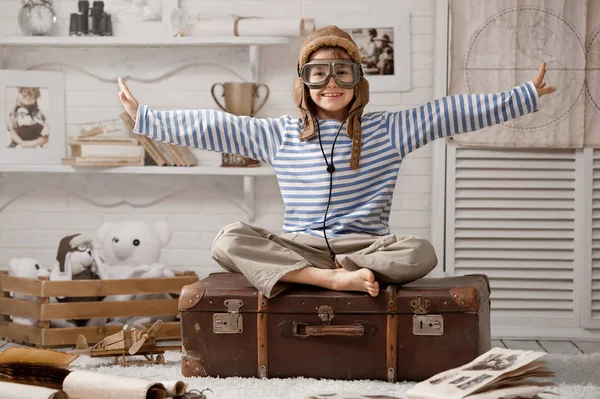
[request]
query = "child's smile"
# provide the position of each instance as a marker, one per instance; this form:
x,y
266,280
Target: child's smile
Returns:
x,y
332,96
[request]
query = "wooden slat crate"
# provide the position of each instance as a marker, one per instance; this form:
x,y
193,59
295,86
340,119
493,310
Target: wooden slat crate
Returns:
x,y
42,310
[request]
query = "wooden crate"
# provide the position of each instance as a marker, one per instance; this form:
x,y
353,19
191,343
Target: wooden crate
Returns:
x,y
42,310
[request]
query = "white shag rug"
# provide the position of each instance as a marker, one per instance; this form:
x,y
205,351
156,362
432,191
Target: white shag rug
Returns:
x,y
577,376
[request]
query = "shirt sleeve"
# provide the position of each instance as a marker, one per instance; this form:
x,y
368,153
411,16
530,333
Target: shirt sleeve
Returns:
x,y
212,130
413,128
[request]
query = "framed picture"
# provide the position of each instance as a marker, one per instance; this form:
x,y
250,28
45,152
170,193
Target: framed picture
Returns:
x,y
384,43
32,117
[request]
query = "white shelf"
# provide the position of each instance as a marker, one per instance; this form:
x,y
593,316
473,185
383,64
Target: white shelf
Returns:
x,y
154,170
116,41
244,199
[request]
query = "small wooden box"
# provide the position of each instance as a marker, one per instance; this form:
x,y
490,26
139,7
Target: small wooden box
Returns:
x,y
42,310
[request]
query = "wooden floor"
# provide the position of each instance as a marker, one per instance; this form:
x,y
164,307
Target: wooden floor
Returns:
x,y
562,347
559,347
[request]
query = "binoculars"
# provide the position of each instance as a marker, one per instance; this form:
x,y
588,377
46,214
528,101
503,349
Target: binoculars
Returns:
x,y
80,22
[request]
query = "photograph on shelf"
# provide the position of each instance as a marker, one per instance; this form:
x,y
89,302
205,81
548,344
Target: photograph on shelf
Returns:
x,y
32,117
384,45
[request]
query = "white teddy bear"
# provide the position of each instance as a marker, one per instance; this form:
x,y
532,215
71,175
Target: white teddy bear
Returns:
x,y
132,249
26,268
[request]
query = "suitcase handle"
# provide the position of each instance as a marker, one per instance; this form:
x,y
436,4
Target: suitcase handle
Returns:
x,y
351,330
296,329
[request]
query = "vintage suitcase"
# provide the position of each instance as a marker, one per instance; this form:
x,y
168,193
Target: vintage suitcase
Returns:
x,y
410,332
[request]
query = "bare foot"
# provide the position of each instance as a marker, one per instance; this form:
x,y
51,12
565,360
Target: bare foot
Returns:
x,y
335,279
358,280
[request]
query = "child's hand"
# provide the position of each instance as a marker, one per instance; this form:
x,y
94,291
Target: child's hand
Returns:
x,y
539,83
128,100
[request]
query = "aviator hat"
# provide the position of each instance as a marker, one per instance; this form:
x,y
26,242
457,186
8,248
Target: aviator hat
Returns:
x,y
332,36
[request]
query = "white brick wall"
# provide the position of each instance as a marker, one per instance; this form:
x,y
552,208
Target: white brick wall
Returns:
x,y
33,224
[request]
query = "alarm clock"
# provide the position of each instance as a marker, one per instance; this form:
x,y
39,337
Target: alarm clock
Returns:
x,y
36,17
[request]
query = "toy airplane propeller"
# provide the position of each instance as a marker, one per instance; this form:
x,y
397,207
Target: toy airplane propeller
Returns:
x,y
144,336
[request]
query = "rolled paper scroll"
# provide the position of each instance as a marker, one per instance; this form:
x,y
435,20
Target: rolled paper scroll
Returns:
x,y
90,385
10,390
290,27
214,27
252,26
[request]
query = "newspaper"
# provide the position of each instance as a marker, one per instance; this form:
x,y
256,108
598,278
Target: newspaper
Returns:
x,y
498,373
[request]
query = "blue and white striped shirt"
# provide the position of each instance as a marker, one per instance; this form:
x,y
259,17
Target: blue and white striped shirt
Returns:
x,y
361,199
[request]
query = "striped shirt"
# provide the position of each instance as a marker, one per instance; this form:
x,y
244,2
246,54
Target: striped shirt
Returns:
x,y
361,199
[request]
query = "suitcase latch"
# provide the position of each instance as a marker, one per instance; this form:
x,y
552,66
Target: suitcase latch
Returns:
x,y
230,322
420,305
428,324
325,313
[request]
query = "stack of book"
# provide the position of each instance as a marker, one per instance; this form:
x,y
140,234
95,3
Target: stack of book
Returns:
x,y
105,151
162,154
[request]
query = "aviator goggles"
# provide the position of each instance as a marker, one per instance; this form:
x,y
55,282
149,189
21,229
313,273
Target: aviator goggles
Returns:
x,y
316,74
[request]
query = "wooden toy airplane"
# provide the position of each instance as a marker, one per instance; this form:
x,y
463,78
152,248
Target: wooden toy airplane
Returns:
x,y
127,342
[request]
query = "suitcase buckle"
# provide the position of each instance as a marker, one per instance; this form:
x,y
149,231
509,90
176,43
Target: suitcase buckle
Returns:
x,y
230,322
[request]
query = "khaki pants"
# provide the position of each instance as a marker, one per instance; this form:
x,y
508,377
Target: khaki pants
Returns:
x,y
264,257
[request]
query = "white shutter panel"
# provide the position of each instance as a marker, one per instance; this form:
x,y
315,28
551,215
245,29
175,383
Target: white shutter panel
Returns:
x,y
511,214
591,271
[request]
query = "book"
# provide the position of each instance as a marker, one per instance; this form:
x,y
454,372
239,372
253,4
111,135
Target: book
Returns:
x,y
103,140
32,373
45,368
498,373
163,153
188,156
152,150
107,151
174,154
108,162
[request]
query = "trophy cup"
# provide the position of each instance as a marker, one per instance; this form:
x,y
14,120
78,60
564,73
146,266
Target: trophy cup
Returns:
x,y
239,100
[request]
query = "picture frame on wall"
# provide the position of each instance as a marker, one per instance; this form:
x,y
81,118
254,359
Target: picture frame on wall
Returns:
x,y
384,43
32,117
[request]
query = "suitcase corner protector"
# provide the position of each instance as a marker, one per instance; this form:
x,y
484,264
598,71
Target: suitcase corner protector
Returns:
x,y
192,367
191,294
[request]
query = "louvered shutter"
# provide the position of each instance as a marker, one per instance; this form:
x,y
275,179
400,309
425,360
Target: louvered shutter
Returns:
x,y
511,214
591,271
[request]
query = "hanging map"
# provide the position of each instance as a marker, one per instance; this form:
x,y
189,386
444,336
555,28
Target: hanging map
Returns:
x,y
496,46
592,110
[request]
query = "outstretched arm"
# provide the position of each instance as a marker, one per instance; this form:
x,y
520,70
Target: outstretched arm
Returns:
x,y
413,128
256,138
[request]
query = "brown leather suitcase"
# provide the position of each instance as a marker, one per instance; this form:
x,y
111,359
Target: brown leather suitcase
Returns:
x,y
411,332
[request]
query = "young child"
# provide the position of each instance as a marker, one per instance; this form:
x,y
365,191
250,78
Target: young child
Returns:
x,y
28,127
336,169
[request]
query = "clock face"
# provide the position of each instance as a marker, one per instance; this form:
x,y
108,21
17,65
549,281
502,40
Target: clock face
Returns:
x,y
40,19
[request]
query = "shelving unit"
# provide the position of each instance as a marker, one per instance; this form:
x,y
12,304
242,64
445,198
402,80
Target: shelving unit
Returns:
x,y
148,170
246,200
115,41
253,44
